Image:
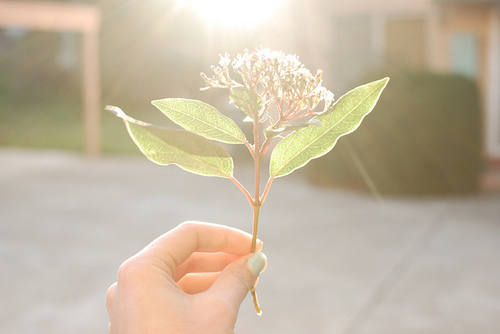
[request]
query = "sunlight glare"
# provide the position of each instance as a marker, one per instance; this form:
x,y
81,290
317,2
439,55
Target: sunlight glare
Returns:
x,y
234,14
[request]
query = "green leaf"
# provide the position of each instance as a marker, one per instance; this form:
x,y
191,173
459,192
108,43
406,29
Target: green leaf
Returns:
x,y
171,146
314,141
246,100
202,119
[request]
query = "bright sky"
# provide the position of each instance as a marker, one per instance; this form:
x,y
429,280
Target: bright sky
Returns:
x,y
234,14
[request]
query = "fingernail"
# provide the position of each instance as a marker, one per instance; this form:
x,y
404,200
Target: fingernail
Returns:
x,y
257,263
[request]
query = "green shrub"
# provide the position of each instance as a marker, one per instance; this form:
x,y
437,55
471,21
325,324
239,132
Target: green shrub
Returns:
x,y
423,138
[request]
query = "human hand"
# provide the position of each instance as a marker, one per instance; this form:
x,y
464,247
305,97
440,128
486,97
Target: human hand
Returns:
x,y
192,279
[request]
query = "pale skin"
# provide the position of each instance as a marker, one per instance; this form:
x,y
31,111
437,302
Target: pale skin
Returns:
x,y
192,279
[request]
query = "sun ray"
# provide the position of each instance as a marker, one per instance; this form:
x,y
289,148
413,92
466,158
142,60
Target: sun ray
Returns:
x,y
234,14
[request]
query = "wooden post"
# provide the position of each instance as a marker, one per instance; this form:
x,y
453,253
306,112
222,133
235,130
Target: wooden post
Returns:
x,y
83,18
91,93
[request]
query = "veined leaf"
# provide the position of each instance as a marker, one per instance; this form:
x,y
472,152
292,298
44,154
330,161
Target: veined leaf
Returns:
x,y
246,100
313,141
202,119
171,146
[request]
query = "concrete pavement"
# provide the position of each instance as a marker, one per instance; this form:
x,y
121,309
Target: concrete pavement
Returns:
x,y
339,262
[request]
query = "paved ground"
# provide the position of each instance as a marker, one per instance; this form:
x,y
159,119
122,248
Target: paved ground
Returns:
x,y
338,262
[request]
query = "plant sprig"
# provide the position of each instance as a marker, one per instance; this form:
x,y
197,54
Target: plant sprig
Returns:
x,y
280,97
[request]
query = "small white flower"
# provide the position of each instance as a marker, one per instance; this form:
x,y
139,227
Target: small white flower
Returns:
x,y
225,61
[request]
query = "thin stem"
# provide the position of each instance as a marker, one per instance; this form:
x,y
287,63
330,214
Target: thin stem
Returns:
x,y
250,148
300,116
257,156
256,211
256,301
266,190
243,190
265,146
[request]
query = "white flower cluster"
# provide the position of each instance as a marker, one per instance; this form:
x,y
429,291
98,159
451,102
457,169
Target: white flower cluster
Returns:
x,y
277,77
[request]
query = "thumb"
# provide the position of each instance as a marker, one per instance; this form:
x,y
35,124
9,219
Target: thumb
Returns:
x,y
238,278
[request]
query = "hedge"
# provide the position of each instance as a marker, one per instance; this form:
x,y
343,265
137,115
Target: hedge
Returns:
x,y
423,138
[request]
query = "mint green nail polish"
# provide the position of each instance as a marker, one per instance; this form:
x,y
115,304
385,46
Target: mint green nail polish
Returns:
x,y
257,263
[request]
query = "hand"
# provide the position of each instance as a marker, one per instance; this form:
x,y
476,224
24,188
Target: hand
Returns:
x,y
190,280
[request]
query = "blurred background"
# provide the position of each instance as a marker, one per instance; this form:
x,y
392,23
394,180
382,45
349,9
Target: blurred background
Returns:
x,y
443,103
430,148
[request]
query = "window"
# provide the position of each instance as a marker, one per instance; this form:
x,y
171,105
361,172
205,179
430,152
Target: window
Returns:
x,y
464,54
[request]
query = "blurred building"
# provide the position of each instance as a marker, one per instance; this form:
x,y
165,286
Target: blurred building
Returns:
x,y
150,49
459,36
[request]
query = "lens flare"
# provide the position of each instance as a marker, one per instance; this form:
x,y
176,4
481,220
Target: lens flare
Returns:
x,y
234,14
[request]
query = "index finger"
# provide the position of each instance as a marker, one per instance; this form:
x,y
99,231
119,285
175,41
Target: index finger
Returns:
x,y
177,245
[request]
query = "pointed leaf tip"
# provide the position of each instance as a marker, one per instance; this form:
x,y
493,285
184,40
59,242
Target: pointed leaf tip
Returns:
x,y
314,141
187,150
